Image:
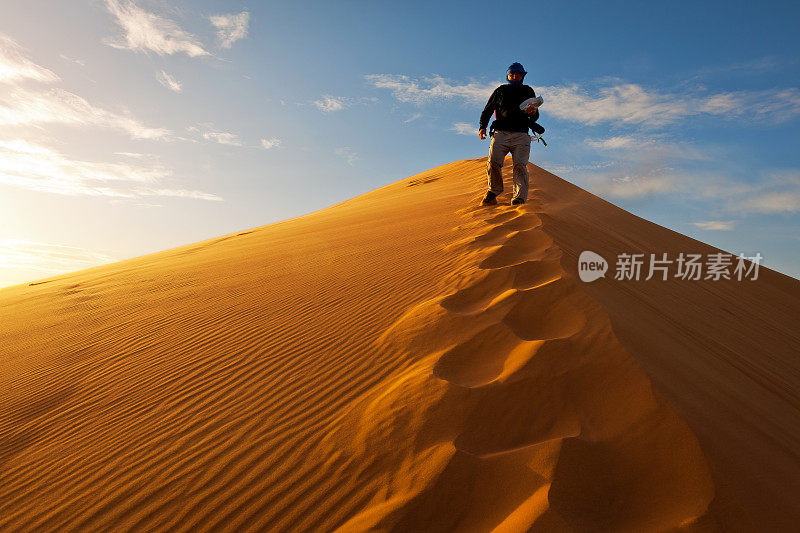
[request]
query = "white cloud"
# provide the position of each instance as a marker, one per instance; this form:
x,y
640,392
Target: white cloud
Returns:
x,y
330,104
639,181
625,103
632,104
776,191
22,107
231,27
179,193
720,104
773,193
614,143
169,82
268,144
715,225
777,105
413,117
75,60
774,202
210,133
23,164
222,137
754,66
464,128
634,186
430,89
15,66
348,154
38,168
564,169
620,103
148,32
650,148
47,258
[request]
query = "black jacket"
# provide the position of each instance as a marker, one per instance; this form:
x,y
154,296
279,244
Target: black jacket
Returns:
x,y
504,103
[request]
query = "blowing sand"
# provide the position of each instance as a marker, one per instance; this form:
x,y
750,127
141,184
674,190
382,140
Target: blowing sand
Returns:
x,y
403,361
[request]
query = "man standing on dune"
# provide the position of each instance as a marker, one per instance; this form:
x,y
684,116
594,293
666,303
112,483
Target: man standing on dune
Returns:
x,y
510,134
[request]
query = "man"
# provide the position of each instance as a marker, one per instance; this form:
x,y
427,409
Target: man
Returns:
x,y
510,135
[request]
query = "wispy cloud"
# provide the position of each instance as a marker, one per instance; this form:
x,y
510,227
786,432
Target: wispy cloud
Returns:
x,y
652,148
39,168
149,32
268,144
464,128
222,137
22,107
413,117
771,202
230,28
15,65
46,258
348,154
715,225
620,103
329,104
564,169
615,143
36,167
753,66
772,193
210,133
632,104
75,60
421,91
625,103
134,155
169,82
633,186
777,105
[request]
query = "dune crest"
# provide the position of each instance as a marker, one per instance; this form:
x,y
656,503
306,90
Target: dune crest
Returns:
x,y
401,361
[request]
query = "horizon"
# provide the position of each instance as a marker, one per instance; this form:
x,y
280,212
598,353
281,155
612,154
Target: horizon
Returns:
x,y
136,127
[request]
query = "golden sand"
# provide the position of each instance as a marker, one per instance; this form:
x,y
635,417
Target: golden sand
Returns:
x,y
403,361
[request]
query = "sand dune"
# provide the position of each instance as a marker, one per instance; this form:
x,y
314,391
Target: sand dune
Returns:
x,y
402,361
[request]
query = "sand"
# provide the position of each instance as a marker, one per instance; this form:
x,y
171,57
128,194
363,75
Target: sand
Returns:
x,y
403,361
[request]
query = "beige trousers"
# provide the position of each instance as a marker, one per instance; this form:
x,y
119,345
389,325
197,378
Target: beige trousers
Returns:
x,y
519,144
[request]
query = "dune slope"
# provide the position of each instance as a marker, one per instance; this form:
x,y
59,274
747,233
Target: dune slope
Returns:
x,y
402,361
726,353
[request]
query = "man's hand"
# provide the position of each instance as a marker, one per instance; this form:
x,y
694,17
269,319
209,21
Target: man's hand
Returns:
x,y
482,133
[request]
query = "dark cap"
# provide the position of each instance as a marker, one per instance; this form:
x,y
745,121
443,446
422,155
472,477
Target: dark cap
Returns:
x,y
516,67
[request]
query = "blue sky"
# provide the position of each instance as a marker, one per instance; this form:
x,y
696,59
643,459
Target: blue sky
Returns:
x,y
132,127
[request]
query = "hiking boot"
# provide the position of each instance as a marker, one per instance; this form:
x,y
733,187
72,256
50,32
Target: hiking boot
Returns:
x,y
517,201
489,199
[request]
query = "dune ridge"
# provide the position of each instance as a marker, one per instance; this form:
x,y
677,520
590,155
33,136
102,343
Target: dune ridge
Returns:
x,y
401,361
535,399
